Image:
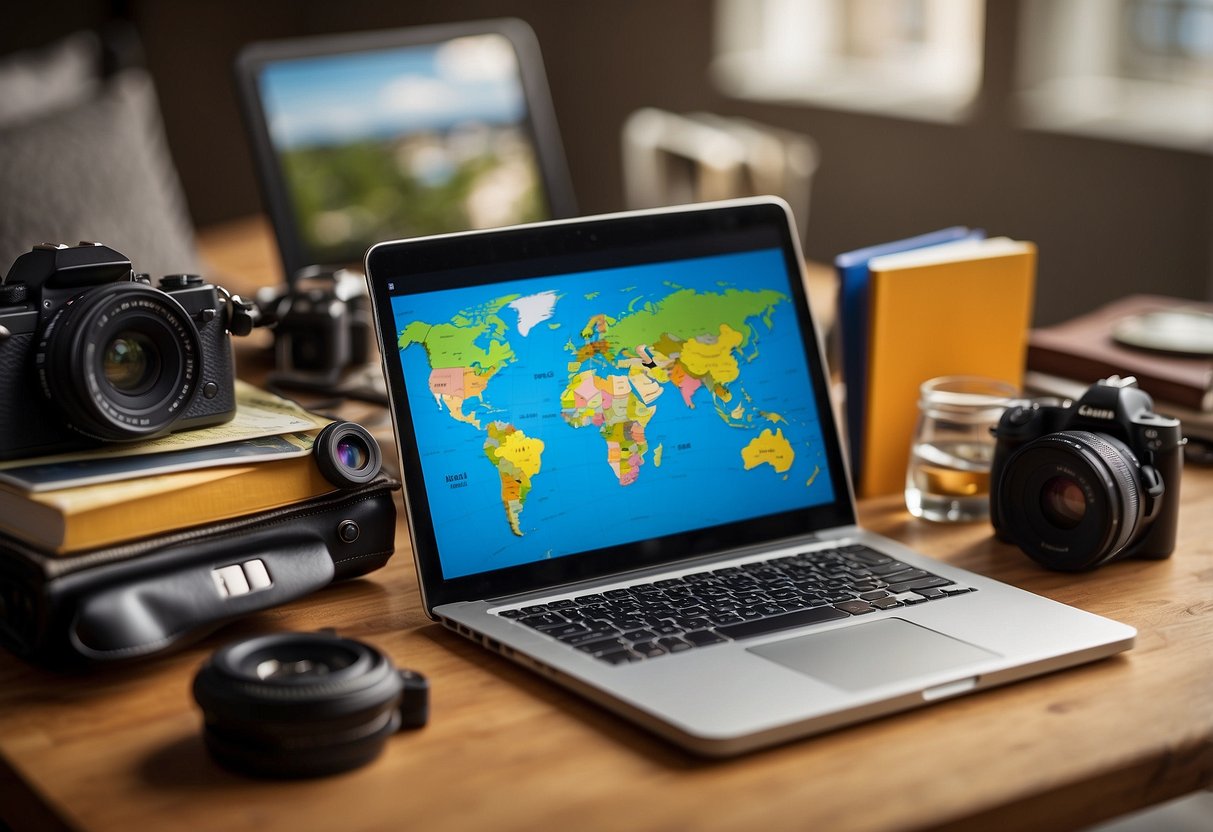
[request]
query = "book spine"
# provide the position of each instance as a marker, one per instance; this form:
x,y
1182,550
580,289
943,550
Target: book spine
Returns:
x,y
853,321
1090,370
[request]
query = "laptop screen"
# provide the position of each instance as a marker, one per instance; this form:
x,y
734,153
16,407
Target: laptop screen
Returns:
x,y
614,398
401,133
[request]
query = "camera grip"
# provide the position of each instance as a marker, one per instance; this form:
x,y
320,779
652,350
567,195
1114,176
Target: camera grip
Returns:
x,y
145,616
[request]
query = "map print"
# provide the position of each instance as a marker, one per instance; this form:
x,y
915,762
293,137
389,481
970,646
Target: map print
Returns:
x,y
591,412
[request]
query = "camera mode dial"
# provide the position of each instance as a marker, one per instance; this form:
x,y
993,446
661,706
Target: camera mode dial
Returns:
x,y
171,282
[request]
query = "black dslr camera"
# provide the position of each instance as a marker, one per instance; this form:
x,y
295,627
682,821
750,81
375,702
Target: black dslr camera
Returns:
x,y
1081,485
91,351
322,325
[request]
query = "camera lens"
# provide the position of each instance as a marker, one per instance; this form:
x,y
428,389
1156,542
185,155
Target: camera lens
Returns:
x,y
131,363
353,452
1062,502
304,704
1072,500
120,361
347,454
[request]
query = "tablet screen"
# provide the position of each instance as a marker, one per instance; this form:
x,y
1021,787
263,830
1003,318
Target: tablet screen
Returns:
x,y
400,134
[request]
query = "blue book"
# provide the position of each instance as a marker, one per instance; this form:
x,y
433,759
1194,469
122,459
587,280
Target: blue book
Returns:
x,y
853,311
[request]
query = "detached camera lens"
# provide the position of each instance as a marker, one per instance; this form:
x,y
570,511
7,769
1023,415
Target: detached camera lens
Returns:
x,y
1073,499
121,361
294,705
347,454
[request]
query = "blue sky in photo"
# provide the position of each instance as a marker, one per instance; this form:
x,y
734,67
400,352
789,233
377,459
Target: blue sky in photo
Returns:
x,y
336,99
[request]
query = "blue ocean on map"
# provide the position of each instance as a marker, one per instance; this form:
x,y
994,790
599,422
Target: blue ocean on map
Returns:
x,y
693,472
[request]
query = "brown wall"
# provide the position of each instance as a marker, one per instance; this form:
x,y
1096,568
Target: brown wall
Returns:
x,y
1109,217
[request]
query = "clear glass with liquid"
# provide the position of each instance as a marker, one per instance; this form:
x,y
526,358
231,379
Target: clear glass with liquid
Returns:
x,y
948,476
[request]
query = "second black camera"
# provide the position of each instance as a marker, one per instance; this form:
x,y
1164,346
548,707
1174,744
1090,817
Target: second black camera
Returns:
x,y
1077,486
90,351
322,325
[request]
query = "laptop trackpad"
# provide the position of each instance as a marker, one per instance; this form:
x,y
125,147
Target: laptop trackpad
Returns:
x,y
867,655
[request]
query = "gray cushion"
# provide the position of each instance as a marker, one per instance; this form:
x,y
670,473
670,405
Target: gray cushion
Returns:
x,y
97,170
38,81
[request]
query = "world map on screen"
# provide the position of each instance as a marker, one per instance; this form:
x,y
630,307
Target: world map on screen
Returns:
x,y
569,413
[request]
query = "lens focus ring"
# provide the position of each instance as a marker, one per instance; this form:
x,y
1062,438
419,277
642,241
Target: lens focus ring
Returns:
x,y
1118,459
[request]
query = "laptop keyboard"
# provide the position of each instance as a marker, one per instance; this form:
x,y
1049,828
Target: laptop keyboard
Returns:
x,y
655,619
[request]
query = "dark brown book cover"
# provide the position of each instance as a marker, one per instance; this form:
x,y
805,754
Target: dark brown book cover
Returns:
x,y
1083,349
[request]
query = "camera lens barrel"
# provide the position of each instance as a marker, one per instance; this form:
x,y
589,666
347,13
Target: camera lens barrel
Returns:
x,y
1073,500
121,361
292,705
347,454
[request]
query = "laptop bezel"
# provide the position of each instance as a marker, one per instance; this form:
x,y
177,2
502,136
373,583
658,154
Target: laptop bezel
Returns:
x,y
540,122
438,260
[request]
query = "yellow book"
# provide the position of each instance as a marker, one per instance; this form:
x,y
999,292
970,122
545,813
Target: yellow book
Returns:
x,y
962,308
74,519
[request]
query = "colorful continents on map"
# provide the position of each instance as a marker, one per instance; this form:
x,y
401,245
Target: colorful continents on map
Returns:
x,y
517,458
618,369
687,340
464,354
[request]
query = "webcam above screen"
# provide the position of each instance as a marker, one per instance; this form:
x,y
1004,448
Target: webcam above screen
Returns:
x,y
361,138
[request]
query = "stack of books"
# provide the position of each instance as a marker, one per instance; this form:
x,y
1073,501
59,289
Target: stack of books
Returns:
x,y
126,551
1065,359
70,504
952,302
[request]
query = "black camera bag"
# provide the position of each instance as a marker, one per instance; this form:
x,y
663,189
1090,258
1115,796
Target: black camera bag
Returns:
x,y
147,596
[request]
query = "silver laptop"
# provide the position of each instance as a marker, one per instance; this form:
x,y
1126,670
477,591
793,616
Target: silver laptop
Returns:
x,y
622,470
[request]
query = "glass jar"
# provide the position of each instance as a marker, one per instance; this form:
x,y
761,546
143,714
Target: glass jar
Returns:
x,y
948,476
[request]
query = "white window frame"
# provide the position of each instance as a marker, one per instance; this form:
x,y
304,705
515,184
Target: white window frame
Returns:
x,y
1071,81
794,51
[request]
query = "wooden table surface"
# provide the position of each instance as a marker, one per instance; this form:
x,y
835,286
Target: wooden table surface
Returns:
x,y
121,749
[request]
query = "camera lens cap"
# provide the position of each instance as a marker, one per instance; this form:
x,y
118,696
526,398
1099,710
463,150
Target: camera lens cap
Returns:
x,y
293,705
347,454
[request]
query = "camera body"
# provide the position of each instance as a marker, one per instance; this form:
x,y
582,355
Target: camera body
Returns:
x,y
90,351
1080,485
322,324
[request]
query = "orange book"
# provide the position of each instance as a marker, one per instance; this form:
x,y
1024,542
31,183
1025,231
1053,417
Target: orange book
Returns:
x,y
88,516
962,308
